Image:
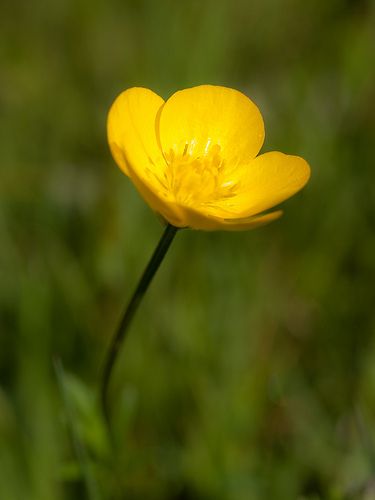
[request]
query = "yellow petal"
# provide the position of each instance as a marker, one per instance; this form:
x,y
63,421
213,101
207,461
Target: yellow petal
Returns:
x,y
252,222
195,219
265,182
133,142
194,120
160,202
131,129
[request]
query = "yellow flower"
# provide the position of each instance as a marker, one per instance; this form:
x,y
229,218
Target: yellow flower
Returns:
x,y
193,158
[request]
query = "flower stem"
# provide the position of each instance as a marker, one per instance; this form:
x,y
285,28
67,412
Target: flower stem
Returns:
x,y
117,340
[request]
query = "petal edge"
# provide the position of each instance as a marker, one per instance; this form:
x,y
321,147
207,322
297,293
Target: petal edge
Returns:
x,y
209,115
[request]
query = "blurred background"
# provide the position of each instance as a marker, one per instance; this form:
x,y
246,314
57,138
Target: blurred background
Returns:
x,y
249,372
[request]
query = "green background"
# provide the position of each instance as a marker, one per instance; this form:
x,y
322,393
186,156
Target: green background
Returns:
x,y
249,372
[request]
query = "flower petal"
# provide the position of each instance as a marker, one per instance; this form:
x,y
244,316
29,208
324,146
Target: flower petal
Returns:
x,y
252,222
196,119
131,129
132,139
198,220
160,202
265,182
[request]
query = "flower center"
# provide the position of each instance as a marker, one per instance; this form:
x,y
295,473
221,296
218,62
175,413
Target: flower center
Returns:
x,y
198,179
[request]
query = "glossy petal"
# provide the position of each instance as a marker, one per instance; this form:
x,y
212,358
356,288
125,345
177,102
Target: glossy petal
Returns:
x,y
265,182
194,120
133,143
131,129
198,220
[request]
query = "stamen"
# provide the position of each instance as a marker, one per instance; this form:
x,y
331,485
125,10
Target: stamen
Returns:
x,y
196,179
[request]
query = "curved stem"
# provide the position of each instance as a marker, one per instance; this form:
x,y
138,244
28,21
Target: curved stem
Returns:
x,y
117,340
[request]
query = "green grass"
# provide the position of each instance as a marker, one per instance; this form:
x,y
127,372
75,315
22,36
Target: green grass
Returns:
x,y
249,371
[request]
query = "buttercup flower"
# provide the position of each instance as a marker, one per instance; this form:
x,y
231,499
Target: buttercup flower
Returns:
x,y
193,158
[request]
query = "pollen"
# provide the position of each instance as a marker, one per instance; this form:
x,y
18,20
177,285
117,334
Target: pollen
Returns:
x,y
196,179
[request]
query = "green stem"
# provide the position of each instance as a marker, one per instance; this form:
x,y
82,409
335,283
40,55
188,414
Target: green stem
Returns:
x,y
117,340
